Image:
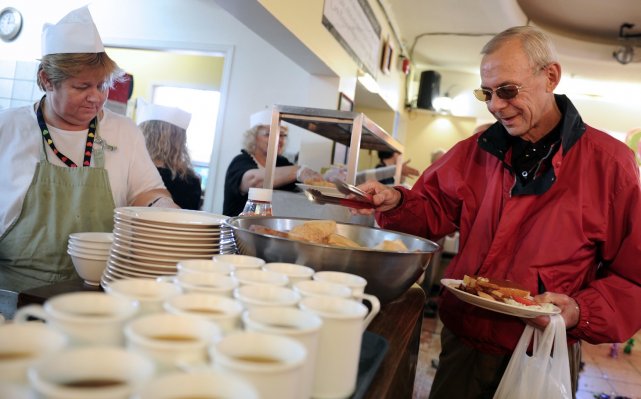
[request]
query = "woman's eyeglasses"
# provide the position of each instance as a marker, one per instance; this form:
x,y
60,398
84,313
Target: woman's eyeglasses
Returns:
x,y
506,92
266,134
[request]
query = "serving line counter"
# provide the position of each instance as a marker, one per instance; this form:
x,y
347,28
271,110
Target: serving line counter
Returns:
x,y
399,322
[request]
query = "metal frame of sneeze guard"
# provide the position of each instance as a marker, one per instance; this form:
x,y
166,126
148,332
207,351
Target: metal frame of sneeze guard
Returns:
x,y
352,129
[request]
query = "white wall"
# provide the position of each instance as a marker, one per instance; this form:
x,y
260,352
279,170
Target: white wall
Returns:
x,y
260,76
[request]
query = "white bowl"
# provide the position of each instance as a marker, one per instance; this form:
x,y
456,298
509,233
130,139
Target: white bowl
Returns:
x,y
240,261
88,251
88,268
94,236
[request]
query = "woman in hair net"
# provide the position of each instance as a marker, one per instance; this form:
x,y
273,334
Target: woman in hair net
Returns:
x,y
247,169
165,131
66,161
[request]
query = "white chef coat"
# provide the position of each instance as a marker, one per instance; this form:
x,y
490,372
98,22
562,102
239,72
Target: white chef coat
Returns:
x,y
131,171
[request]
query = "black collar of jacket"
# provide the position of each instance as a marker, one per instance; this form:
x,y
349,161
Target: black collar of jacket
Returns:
x,y
496,141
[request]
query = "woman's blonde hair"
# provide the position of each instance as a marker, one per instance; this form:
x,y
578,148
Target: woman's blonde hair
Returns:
x,y
249,138
60,67
167,144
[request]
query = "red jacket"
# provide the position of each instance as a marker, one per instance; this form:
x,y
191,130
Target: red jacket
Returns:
x,y
580,235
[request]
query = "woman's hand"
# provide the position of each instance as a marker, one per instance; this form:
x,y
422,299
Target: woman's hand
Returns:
x,y
569,310
384,197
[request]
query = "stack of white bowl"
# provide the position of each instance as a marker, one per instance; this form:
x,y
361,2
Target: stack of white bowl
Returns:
x,y
89,253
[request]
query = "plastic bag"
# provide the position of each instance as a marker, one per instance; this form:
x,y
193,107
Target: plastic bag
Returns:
x,y
539,376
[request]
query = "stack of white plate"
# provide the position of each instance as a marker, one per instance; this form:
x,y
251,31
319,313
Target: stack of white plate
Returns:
x,y
149,242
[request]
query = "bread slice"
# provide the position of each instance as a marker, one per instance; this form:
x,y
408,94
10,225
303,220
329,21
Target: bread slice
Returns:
x,y
341,241
315,231
391,245
506,287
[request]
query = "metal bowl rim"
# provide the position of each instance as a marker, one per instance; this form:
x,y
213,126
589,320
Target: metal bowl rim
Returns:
x,y
229,222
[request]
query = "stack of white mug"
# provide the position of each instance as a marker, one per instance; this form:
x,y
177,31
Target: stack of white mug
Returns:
x,y
233,327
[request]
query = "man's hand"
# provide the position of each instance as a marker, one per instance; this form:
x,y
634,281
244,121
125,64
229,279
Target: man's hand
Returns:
x,y
408,171
569,310
384,197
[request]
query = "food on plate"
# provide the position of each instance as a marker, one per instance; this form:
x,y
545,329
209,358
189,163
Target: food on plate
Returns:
x,y
501,291
319,182
324,232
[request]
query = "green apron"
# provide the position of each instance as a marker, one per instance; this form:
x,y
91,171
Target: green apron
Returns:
x,y
60,201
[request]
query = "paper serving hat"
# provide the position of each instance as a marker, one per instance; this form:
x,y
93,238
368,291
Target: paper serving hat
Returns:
x,y
263,117
74,33
153,112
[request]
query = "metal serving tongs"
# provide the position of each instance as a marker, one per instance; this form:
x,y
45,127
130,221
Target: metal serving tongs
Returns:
x,y
319,198
348,189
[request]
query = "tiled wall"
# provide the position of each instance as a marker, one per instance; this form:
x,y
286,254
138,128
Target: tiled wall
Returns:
x,y
18,85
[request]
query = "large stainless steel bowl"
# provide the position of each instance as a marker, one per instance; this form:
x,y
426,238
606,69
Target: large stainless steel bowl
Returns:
x,y
389,274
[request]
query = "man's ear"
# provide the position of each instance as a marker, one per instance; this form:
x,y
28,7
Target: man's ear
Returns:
x,y
553,74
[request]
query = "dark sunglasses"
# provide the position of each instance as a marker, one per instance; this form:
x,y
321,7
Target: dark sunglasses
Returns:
x,y
506,92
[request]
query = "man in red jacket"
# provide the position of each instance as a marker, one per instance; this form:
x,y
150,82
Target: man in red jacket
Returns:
x,y
539,198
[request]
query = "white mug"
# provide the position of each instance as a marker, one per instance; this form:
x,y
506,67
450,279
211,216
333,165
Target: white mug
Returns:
x,y
240,261
266,295
322,288
172,341
198,384
259,276
149,293
93,372
87,318
273,364
223,311
210,283
353,281
204,265
293,271
23,344
304,327
344,321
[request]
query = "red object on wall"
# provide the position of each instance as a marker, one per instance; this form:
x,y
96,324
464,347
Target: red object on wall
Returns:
x,y
122,90
406,66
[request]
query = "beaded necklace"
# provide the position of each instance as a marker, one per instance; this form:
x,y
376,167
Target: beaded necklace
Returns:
x,y
91,134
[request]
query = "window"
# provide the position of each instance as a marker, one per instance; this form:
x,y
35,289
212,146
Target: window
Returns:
x,y
203,106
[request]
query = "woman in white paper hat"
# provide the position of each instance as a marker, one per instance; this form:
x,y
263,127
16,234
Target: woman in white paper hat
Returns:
x,y
247,169
66,162
165,131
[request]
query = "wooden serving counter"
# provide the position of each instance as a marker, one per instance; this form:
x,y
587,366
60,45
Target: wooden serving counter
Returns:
x,y
399,322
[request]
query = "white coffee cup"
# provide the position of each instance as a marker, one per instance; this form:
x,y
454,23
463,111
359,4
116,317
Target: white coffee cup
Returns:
x,y
322,288
259,276
90,373
266,295
87,318
240,261
204,266
293,271
344,321
223,311
149,293
23,344
203,282
172,341
304,327
273,364
356,283
198,384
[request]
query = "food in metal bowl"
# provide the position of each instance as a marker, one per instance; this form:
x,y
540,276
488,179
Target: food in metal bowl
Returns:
x,y
388,273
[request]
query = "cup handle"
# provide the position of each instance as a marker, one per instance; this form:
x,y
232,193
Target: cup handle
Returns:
x,y
376,307
22,314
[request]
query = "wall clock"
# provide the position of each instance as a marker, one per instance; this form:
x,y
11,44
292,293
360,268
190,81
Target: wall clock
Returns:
x,y
10,24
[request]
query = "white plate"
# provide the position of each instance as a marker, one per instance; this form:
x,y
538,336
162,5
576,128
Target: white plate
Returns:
x,y
501,307
153,226
333,191
204,233
170,216
125,236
